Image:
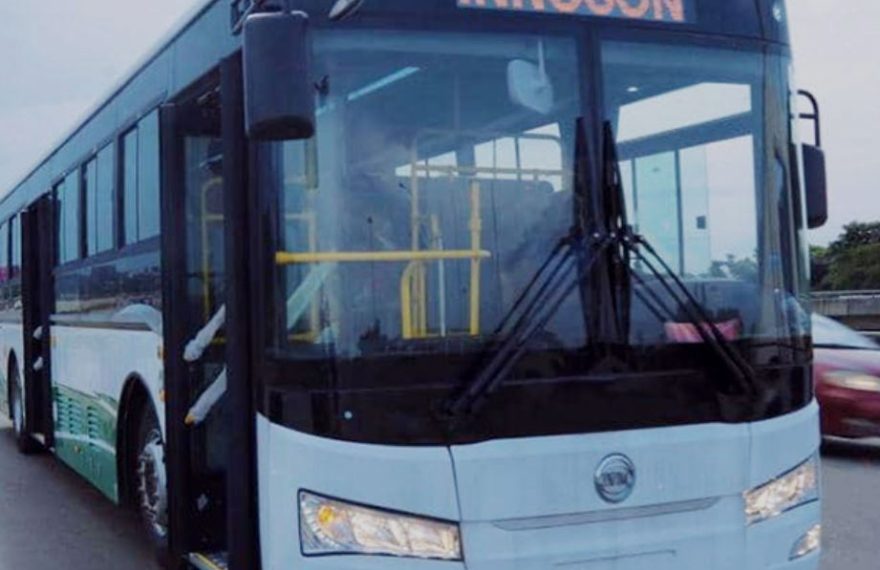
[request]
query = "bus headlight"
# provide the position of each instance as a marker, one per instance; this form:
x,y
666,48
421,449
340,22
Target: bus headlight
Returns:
x,y
791,490
330,526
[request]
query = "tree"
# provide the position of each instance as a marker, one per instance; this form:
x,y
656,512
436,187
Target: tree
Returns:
x,y
745,269
851,262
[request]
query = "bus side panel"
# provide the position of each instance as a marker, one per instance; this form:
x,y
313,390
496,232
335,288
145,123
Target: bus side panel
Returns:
x,y
90,368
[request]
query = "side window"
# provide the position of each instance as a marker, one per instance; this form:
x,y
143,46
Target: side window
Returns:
x,y
148,177
98,180
140,193
15,265
129,186
90,189
67,195
105,208
4,252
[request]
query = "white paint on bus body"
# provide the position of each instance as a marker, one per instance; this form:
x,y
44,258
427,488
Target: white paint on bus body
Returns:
x,y
99,361
532,503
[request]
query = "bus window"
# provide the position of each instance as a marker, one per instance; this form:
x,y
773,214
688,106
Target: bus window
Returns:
x,y
99,202
129,187
140,191
437,197
67,195
148,177
90,190
15,253
4,252
694,164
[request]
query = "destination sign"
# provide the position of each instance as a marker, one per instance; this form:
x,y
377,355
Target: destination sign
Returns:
x,y
674,11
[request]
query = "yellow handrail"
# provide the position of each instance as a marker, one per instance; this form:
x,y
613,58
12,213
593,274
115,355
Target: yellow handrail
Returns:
x,y
291,258
476,227
476,170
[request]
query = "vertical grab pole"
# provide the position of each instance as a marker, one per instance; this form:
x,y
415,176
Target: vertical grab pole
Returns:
x,y
315,311
476,227
437,238
417,324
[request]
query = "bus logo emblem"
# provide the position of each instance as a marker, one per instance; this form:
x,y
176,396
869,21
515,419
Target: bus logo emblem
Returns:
x,y
615,478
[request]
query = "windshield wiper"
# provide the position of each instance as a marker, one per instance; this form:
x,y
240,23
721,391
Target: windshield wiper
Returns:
x,y
571,260
633,243
559,276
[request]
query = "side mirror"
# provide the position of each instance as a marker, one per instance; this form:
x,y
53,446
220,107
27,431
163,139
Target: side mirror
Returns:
x,y
815,178
815,185
279,93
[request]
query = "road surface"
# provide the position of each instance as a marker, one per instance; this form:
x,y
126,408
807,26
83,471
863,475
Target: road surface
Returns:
x,y
51,519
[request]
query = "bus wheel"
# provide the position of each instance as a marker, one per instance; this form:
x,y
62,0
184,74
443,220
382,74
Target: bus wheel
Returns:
x,y
151,491
26,444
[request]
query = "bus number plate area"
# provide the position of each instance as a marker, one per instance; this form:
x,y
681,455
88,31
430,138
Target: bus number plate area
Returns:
x,y
672,11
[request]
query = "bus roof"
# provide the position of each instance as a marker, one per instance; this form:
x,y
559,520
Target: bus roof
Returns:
x,y
203,37
8,203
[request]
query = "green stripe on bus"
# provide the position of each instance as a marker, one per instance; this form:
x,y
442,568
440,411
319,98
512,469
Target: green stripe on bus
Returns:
x,y
85,436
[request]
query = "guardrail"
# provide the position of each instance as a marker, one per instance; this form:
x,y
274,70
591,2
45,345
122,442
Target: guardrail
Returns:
x,y
857,309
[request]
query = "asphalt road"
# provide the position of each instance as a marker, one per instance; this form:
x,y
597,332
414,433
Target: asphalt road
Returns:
x,y
50,519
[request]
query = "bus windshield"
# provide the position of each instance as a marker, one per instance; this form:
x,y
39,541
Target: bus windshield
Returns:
x,y
441,177
429,197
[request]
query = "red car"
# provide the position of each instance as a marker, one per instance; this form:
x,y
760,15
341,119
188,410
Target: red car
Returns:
x,y
847,375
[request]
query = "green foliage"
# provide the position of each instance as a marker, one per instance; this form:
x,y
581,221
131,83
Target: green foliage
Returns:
x,y
745,269
851,262
855,268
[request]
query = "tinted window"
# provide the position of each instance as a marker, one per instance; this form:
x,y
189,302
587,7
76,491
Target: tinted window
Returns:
x,y
99,202
90,189
67,194
140,198
15,238
148,177
4,252
129,186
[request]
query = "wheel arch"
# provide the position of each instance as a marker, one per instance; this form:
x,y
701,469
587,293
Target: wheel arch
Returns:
x,y
135,395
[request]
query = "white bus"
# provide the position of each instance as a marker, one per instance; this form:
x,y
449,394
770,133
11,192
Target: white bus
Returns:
x,y
446,284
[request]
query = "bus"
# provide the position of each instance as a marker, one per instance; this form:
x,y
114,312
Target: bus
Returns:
x,y
447,284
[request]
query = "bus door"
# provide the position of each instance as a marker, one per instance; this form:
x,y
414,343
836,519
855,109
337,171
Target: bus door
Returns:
x,y
194,301
37,230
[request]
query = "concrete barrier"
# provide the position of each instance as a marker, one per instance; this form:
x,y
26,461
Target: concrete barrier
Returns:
x,y
857,309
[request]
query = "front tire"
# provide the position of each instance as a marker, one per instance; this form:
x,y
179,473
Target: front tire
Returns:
x,y
151,482
23,440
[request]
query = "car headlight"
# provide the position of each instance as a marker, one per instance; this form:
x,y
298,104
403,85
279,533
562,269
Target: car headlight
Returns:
x,y
330,526
795,488
853,380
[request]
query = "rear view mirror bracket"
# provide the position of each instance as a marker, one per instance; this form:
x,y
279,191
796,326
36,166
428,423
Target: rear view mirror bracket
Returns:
x,y
815,116
815,177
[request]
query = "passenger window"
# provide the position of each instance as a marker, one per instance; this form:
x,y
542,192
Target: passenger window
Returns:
x,y
148,177
99,202
68,196
90,189
15,270
140,148
4,252
129,186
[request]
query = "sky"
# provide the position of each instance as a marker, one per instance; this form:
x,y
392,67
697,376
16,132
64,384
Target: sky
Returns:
x,y
61,56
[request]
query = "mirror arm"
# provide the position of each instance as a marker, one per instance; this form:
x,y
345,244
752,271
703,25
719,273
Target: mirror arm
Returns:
x,y
815,116
241,9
